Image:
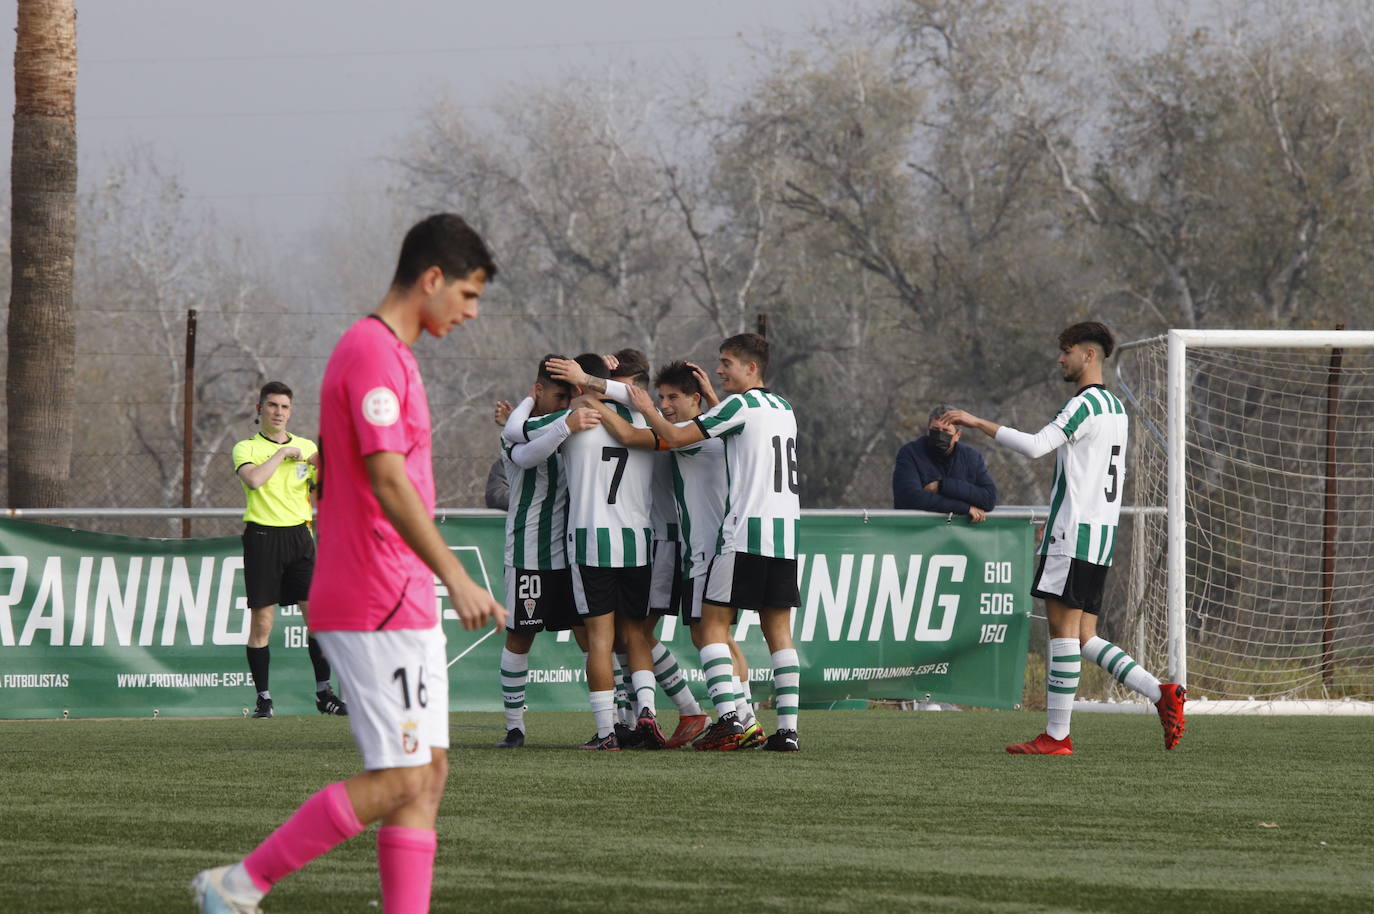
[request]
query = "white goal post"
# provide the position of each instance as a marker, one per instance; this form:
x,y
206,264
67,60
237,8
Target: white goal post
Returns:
x,y
1260,444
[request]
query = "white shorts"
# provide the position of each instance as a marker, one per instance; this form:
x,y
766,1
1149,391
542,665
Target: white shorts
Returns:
x,y
694,589
396,685
667,569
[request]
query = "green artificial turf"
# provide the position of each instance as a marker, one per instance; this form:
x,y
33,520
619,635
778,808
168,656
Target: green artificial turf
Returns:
x,y
881,811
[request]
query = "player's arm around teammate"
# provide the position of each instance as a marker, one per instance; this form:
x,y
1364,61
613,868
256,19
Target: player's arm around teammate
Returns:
x,y
756,567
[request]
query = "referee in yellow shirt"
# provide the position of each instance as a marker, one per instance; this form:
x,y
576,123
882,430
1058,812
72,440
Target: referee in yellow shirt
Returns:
x,y
278,470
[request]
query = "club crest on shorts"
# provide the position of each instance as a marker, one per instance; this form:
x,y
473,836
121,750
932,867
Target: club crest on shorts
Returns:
x,y
529,606
410,739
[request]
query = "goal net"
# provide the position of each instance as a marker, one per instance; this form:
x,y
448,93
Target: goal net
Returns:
x,y
1256,585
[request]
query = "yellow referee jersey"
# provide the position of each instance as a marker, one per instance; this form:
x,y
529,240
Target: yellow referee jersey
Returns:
x,y
283,500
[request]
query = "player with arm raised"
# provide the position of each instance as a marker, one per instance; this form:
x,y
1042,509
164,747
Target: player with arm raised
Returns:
x,y
698,487
756,566
538,584
372,602
609,544
663,594
1089,440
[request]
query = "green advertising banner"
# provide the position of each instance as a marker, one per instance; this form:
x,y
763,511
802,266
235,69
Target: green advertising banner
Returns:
x,y
894,607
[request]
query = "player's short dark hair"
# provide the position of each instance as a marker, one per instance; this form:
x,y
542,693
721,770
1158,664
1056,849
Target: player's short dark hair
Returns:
x,y
592,364
633,364
751,347
1088,332
445,241
542,376
679,375
274,387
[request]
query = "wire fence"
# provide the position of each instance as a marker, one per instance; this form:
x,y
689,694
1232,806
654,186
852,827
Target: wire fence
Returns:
x,y
130,376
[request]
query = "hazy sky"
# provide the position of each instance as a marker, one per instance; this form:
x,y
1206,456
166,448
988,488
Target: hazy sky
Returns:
x,y
270,110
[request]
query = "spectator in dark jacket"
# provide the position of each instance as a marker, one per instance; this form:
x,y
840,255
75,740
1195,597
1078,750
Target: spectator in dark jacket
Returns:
x,y
937,473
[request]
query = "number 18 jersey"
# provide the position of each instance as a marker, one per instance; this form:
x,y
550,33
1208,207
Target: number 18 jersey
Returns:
x,y
763,510
1089,474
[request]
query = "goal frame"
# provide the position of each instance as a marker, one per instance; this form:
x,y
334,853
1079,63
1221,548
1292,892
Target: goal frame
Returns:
x,y
1179,341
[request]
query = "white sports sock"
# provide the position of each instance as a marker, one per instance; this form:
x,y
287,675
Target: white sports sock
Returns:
x,y
1122,667
1061,683
514,672
786,687
241,886
645,689
603,711
743,707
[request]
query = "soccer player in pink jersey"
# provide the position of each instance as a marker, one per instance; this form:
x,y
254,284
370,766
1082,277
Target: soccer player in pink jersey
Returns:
x,y
372,599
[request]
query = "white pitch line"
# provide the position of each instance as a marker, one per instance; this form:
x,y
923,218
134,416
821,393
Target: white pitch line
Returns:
x,y
490,632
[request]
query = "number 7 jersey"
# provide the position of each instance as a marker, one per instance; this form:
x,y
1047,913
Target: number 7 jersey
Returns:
x,y
762,510
1089,475
609,491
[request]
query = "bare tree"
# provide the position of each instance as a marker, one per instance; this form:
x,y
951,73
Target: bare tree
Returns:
x,y
147,258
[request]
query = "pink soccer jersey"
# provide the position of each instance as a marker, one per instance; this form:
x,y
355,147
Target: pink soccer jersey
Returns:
x,y
372,399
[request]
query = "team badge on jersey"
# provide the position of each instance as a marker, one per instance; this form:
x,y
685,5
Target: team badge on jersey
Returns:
x,y
410,742
381,406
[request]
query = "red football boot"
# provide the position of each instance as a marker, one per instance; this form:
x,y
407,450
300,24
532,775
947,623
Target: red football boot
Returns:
x,y
1044,744
1170,707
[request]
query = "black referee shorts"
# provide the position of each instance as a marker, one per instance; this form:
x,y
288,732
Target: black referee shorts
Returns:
x,y
277,564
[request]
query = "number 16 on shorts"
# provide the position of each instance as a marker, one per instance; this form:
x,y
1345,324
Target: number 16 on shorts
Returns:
x,y
421,693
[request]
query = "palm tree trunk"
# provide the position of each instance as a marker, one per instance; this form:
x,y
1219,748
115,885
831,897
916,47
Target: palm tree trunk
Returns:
x,y
42,332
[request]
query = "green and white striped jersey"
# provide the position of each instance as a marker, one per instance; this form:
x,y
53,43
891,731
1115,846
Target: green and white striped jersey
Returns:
x,y
699,485
1089,477
609,492
762,511
537,519
663,511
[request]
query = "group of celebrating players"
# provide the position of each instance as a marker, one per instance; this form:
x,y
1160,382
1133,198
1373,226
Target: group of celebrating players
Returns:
x,y
620,513
623,511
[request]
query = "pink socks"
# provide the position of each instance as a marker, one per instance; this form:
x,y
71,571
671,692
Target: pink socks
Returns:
x,y
405,857
321,823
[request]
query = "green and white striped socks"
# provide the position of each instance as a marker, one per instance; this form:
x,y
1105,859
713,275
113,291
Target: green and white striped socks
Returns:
x,y
1122,667
1061,682
786,687
716,664
514,671
674,684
